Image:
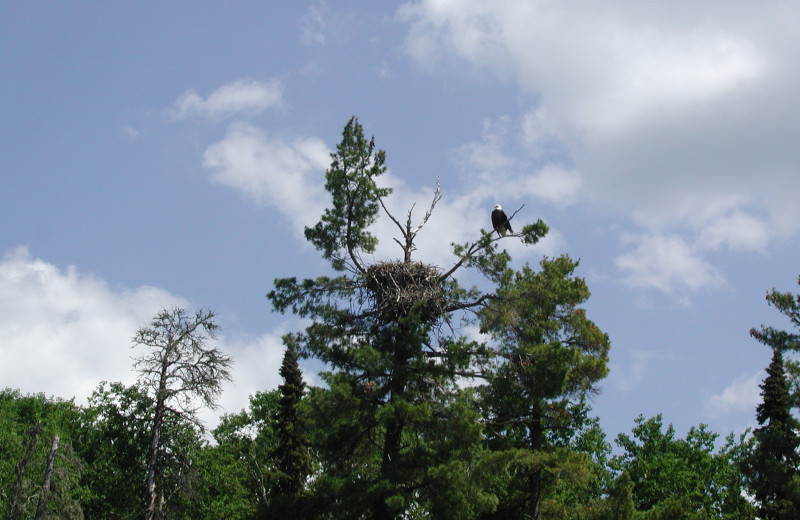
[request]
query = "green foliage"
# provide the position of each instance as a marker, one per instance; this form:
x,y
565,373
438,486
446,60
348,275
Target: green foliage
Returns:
x,y
620,504
773,467
341,234
114,449
485,255
687,474
291,453
549,357
236,473
114,445
221,488
27,426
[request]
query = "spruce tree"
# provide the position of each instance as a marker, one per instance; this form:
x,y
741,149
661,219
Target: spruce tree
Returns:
x,y
291,453
773,468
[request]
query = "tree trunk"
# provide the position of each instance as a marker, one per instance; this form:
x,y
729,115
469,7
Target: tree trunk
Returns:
x,y
41,507
536,437
152,463
391,441
391,452
535,495
13,504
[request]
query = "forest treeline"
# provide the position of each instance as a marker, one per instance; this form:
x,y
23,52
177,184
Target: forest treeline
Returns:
x,y
419,416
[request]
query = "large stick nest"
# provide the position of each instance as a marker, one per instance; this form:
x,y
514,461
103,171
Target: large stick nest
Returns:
x,y
398,288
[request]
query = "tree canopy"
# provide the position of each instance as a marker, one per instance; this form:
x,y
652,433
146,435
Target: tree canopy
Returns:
x,y
438,399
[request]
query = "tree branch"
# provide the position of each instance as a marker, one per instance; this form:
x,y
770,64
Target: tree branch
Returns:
x,y
410,234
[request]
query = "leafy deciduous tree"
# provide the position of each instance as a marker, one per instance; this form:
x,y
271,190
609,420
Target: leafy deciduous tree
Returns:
x,y
34,479
689,474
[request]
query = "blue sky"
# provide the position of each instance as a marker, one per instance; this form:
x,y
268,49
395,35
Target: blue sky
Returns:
x,y
164,153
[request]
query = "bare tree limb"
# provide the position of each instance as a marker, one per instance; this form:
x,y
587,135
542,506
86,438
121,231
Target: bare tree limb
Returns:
x,y
410,234
41,507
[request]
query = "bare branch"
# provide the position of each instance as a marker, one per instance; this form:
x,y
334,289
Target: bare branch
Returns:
x,y
410,234
468,305
511,217
484,242
180,372
397,223
437,196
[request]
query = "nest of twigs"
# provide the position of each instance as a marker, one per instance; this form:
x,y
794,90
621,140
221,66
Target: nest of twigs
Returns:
x,y
399,288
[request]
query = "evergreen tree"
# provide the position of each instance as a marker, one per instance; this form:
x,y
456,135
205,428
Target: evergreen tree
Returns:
x,y
549,360
395,434
291,452
773,467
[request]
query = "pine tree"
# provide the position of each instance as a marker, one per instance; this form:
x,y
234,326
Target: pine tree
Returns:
x,y
394,433
549,360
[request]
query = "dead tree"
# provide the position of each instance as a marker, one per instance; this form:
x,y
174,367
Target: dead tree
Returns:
x,y
41,507
181,373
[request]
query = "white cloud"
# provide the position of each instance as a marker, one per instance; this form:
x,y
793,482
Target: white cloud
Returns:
x,y
664,111
487,160
599,66
287,175
736,230
543,135
507,164
743,394
554,184
666,263
243,97
63,331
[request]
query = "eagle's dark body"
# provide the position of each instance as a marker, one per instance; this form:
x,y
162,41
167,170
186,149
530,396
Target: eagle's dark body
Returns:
x,y
500,221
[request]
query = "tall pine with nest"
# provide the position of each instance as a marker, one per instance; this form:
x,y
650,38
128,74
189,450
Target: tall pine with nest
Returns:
x,y
394,432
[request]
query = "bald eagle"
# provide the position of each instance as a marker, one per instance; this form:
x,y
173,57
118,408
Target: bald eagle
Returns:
x,y
500,221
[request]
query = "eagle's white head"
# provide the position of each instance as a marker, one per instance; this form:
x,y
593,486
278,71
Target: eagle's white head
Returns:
x,y
497,206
